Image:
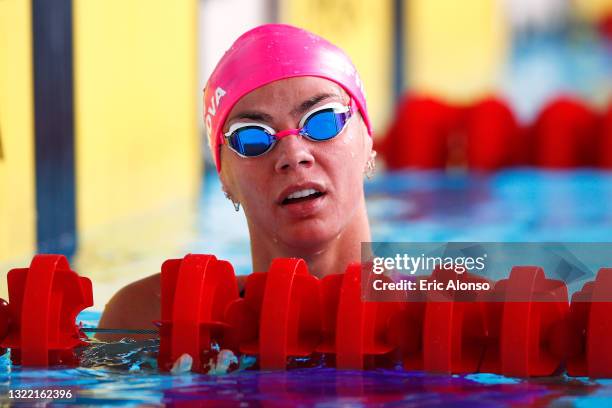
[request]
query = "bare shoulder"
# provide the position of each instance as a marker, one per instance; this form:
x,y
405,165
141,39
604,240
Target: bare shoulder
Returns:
x,y
135,306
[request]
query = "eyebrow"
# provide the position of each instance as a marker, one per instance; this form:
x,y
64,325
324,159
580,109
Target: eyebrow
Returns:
x,y
299,110
309,103
254,115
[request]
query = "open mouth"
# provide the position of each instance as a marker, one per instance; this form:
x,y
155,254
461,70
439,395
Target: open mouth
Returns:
x,y
301,196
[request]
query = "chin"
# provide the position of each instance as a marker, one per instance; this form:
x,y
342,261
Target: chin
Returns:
x,y
309,237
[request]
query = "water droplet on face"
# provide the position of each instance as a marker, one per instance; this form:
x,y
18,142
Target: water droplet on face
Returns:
x,y
353,155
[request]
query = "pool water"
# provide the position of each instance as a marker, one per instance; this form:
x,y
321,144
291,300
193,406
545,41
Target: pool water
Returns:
x,y
513,205
309,387
520,205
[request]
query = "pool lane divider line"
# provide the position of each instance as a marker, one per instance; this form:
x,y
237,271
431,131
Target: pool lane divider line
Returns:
x,y
54,126
525,324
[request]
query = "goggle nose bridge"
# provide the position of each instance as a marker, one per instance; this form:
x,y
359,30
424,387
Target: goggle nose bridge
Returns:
x,y
288,132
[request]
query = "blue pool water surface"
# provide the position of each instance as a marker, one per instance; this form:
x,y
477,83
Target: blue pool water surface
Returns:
x,y
514,205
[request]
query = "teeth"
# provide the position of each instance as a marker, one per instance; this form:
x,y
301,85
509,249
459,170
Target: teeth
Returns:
x,y
302,193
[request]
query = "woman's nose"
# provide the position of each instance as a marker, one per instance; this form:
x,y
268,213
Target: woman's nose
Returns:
x,y
293,153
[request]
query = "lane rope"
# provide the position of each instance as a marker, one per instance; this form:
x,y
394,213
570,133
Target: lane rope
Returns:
x,y
118,331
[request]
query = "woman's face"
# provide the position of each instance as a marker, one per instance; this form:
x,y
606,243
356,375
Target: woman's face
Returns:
x,y
333,168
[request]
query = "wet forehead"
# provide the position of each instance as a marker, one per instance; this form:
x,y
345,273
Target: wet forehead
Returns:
x,y
287,96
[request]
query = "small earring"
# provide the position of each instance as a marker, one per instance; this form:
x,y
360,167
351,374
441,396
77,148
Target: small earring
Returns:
x,y
236,203
370,165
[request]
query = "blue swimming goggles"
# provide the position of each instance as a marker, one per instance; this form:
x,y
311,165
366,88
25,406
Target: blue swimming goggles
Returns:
x,y
320,124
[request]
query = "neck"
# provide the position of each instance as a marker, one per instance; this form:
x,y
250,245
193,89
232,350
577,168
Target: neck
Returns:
x,y
332,256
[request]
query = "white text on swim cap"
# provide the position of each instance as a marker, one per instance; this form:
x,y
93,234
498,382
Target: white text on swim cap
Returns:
x,y
212,108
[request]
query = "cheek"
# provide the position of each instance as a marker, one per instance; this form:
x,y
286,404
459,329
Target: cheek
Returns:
x,y
347,178
346,159
253,188
346,164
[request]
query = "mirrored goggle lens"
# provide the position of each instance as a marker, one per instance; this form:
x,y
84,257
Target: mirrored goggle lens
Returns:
x,y
251,141
325,124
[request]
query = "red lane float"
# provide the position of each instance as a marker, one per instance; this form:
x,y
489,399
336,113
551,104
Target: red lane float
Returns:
x,y
522,327
454,331
354,331
4,322
195,292
565,135
443,331
605,152
524,313
589,328
494,138
430,134
44,302
419,136
280,315
605,26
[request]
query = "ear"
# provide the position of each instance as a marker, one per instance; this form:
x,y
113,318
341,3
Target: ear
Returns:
x,y
368,141
226,187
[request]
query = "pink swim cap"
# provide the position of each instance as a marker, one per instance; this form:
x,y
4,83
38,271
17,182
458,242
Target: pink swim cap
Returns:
x,y
266,54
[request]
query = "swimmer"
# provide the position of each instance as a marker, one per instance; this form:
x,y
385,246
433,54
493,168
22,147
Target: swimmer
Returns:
x,y
287,124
